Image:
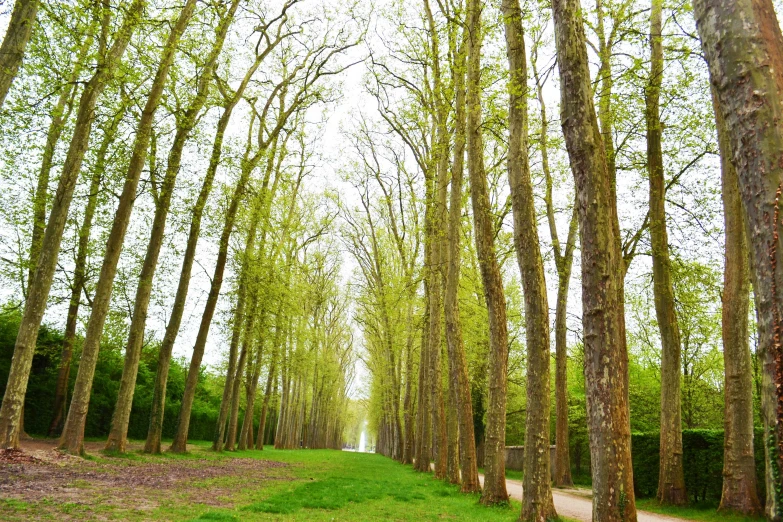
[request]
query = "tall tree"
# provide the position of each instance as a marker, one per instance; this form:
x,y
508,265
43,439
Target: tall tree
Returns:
x,y
537,501
564,258
603,316
739,493
15,42
743,45
494,453
436,236
109,58
230,101
671,477
72,438
459,382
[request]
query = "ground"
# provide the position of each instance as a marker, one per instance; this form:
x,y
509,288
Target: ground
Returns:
x,y
41,483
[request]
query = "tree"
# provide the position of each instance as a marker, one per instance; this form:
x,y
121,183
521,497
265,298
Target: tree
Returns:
x,y
494,460
459,382
739,492
671,480
743,45
564,257
538,503
80,272
436,212
603,319
302,79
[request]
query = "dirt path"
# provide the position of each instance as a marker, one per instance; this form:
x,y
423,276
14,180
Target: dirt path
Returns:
x,y
577,507
47,479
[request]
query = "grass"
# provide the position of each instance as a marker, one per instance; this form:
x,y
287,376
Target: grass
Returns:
x,y
703,512
333,485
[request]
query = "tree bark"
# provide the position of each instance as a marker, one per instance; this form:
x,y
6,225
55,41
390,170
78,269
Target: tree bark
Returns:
x,y
459,381
15,42
236,385
671,476
743,46
72,438
739,494
35,305
495,444
603,320
537,502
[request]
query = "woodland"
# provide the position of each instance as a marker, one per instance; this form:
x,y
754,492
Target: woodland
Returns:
x,y
441,227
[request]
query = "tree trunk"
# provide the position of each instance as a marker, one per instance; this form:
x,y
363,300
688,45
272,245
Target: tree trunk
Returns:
x,y
179,445
495,443
537,501
79,280
671,477
72,438
564,263
436,239
603,320
246,434
15,42
35,305
408,400
739,494
459,381
423,449
743,46
236,386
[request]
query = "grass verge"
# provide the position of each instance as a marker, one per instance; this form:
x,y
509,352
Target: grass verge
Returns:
x,y
702,513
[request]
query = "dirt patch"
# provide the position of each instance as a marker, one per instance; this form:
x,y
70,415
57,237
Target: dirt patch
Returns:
x,y
40,474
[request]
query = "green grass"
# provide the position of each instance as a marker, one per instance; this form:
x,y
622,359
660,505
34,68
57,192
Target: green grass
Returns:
x,y
704,513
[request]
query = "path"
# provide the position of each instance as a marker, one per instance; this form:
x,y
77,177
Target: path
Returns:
x,y
576,506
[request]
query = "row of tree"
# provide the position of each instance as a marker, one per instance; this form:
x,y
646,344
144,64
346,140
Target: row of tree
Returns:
x,y
148,75
438,105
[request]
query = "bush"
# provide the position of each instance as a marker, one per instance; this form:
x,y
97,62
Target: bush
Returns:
x,y
108,371
702,460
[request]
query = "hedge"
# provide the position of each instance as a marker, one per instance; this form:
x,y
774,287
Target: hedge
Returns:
x,y
702,460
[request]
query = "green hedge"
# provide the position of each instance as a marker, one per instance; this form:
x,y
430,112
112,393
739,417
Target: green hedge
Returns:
x,y
702,460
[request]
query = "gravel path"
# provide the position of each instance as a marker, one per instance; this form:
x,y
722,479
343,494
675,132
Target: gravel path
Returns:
x,y
577,507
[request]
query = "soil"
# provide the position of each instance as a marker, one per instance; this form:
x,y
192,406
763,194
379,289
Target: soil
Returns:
x,y
40,474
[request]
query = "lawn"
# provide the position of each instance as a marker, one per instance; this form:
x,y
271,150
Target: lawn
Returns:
x,y
249,485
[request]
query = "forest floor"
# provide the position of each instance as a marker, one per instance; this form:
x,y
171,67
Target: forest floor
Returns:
x,y
40,483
